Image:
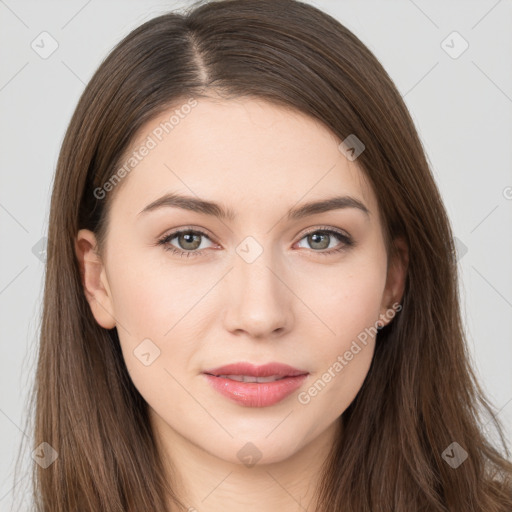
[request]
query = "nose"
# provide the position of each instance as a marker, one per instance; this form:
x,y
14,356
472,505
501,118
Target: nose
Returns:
x,y
259,301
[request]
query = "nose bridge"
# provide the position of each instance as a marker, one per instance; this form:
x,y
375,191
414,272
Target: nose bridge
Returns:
x,y
259,301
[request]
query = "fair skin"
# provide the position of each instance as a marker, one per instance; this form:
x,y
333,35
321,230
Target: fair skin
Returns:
x,y
292,304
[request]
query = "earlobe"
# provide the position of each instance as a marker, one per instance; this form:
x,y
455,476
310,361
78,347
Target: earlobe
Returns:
x,y
94,279
395,283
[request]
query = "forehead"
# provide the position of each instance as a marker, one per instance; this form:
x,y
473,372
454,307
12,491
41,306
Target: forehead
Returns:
x,y
246,153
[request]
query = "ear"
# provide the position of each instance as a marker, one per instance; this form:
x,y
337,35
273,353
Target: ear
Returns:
x,y
395,281
94,279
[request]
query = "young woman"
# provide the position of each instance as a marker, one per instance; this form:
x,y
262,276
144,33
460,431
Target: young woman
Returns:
x,y
251,297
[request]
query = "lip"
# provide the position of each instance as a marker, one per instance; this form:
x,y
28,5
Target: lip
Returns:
x,y
256,394
265,370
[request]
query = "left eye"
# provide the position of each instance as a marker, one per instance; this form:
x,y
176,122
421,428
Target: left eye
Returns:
x,y
319,238
190,241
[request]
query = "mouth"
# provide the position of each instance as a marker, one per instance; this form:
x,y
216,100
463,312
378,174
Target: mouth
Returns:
x,y
256,386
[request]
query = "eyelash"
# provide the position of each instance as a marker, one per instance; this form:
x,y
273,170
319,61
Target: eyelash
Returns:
x,y
347,241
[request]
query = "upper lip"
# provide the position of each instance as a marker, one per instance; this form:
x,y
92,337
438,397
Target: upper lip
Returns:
x,y
265,370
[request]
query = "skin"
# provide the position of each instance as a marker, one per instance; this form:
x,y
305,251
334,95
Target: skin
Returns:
x,y
291,304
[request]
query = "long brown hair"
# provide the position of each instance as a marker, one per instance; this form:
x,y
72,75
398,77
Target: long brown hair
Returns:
x,y
420,395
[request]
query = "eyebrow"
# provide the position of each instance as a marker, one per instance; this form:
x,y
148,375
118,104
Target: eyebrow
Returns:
x,y
205,207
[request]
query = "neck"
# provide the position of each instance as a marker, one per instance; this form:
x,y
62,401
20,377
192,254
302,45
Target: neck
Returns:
x,y
203,481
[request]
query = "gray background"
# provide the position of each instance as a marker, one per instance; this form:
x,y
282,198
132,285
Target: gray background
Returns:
x,y
462,108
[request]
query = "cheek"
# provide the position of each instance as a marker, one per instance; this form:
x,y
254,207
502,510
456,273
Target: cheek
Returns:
x,y
347,298
151,308
160,302
348,301
350,308
150,294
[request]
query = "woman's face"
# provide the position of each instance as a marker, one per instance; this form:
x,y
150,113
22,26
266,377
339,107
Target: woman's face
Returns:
x,y
259,287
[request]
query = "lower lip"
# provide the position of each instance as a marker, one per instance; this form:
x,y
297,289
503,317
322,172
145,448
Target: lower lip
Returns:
x,y
256,394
